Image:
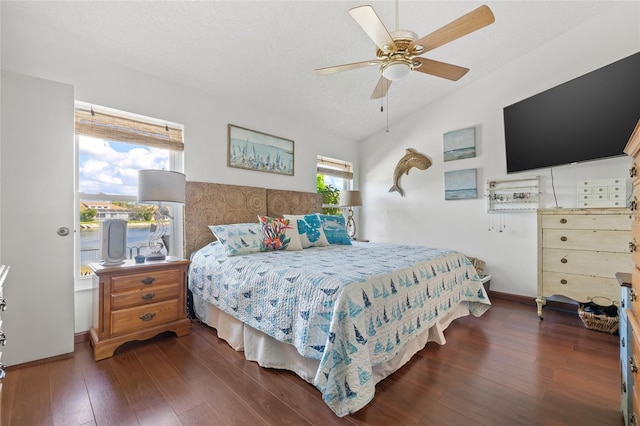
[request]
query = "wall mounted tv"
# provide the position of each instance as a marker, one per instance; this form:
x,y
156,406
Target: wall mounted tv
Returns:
x,y
588,118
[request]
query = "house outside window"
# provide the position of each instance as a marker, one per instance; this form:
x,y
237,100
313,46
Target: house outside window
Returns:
x,y
111,147
333,176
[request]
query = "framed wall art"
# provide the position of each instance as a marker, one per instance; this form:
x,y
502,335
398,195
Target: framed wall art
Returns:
x,y
253,150
460,185
459,144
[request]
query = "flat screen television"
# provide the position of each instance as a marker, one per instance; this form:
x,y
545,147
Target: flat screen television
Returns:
x,y
588,118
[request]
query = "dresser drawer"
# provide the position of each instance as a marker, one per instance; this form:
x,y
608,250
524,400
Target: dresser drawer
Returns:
x,y
579,239
582,288
599,264
130,319
145,280
593,221
144,296
634,295
635,199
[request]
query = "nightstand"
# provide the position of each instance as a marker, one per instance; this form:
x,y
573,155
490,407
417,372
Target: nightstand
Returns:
x,y
136,302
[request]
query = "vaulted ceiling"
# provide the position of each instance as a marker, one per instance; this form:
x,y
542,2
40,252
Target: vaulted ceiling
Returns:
x,y
263,53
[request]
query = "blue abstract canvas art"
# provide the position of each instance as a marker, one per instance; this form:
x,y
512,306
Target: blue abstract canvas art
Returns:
x,y
459,144
460,185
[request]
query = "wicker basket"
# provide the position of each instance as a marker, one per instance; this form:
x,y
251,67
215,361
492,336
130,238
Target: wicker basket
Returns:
x,y
606,323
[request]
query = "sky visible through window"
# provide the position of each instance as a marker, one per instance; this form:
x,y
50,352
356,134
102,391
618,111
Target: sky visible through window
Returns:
x,y
112,167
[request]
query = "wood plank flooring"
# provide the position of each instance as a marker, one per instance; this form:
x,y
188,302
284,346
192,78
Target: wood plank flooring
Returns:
x,y
504,368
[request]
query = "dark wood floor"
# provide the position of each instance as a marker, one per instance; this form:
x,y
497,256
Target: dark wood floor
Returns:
x,y
505,368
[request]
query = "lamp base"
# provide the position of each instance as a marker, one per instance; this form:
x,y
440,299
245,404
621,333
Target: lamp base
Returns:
x,y
154,256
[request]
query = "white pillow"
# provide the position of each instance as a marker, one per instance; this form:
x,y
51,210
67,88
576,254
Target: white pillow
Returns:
x,y
273,227
310,230
239,238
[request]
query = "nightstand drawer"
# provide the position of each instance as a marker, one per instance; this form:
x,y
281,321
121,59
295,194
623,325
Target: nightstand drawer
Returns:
x,y
145,280
131,319
144,296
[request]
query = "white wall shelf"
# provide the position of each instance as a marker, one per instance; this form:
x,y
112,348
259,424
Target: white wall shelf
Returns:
x,y
513,195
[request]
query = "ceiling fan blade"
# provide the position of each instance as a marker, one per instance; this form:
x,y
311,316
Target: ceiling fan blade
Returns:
x,y
346,67
381,88
472,21
368,19
441,69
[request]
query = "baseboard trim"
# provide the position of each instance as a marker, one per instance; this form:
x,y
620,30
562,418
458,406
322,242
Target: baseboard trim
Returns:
x,y
81,337
531,301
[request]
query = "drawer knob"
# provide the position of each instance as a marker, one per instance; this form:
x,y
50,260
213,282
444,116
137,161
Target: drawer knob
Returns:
x,y
623,303
563,238
633,204
148,280
632,420
148,296
563,220
632,171
633,364
148,316
632,294
563,281
3,304
564,260
632,246
624,387
622,342
3,338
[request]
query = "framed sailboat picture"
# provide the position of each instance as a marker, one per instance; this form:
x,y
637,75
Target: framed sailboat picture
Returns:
x,y
252,150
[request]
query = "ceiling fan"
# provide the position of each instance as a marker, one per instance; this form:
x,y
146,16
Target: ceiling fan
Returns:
x,y
398,52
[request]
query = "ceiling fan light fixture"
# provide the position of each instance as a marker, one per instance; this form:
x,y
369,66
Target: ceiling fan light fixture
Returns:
x,y
396,69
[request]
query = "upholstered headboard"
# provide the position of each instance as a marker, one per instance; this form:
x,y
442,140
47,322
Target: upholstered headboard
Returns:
x,y
218,204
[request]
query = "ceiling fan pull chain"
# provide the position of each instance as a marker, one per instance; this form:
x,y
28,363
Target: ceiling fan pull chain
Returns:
x,y
387,130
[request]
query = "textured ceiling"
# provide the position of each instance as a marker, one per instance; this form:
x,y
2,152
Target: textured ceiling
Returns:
x,y
264,52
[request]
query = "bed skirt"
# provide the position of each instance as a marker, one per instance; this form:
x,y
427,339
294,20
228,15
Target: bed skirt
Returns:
x,y
270,353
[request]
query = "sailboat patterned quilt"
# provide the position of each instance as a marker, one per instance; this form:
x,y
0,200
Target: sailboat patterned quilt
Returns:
x,y
349,306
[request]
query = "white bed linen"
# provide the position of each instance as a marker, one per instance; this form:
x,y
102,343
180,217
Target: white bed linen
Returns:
x,y
270,353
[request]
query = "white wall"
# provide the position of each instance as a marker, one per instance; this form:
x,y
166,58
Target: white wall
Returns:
x,y
40,51
424,217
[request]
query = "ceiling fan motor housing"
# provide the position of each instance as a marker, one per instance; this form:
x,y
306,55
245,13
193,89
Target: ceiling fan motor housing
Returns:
x,y
398,63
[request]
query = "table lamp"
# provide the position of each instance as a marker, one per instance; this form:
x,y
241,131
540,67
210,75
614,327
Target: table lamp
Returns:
x,y
349,198
160,186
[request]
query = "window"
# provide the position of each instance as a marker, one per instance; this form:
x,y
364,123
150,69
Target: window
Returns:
x,y
333,177
111,147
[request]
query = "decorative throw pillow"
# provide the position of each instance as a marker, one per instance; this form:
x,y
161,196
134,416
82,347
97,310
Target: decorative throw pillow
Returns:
x,y
239,238
278,234
335,229
310,230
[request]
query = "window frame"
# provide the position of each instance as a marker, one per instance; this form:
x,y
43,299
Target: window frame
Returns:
x,y
176,163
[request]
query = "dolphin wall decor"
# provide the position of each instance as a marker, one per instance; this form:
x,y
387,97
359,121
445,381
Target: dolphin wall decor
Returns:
x,y
411,159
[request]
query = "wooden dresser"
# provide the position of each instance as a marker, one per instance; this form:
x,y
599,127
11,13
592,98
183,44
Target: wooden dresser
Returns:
x,y
630,337
579,252
136,302
4,269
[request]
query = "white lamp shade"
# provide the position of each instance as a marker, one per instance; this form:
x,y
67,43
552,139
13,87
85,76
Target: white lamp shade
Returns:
x,y
161,186
350,198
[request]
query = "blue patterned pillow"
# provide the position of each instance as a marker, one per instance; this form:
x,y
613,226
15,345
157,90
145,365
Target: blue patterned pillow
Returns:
x,y
335,229
310,230
239,238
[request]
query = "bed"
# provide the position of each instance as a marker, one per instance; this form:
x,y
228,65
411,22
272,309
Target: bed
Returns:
x,y
342,317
